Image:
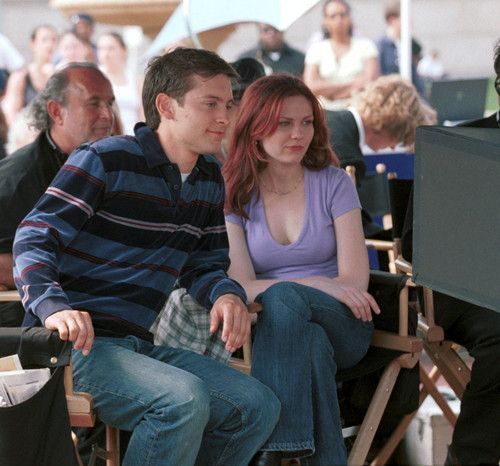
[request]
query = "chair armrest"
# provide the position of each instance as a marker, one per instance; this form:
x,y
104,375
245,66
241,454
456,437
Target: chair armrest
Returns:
x,y
403,265
9,295
379,244
388,340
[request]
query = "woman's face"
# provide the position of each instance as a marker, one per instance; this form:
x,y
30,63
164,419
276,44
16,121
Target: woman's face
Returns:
x,y
44,43
289,143
337,19
72,49
110,52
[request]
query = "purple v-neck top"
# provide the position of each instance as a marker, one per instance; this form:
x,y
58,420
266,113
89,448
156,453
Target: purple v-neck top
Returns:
x,y
329,193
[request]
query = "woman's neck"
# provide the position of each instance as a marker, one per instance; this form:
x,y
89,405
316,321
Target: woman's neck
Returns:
x,y
340,39
281,179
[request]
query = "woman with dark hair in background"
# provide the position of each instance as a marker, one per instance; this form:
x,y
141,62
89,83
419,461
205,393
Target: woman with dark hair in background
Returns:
x,y
340,64
297,246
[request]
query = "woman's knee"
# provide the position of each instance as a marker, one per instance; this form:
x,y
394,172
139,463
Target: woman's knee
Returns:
x,y
285,296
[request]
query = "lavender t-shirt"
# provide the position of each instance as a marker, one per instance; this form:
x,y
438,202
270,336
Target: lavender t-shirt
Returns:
x,y
329,193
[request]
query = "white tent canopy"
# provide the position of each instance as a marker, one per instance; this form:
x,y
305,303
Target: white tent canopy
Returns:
x,y
195,16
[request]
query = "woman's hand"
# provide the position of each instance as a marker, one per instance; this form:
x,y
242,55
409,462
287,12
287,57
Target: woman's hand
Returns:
x,y
360,302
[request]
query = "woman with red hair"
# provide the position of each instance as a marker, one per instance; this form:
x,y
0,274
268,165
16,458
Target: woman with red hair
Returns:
x,y
297,246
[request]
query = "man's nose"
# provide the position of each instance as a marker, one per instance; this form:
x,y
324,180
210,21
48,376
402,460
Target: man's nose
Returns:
x,y
223,116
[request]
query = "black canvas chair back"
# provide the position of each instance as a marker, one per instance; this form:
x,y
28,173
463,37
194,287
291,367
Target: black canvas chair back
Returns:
x,y
399,195
374,194
37,431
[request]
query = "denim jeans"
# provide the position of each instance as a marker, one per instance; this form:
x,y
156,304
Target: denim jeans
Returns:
x,y
183,408
301,337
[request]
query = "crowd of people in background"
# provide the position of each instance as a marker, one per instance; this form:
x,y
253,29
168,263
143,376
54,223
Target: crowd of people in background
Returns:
x,y
22,79
335,66
280,224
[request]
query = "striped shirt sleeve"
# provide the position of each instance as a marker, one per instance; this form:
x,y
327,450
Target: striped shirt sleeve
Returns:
x,y
56,219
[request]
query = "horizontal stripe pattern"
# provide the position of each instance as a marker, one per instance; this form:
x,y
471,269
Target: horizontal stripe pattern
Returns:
x,y
115,232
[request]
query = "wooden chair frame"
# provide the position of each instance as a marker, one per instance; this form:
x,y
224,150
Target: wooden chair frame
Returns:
x,y
410,348
442,353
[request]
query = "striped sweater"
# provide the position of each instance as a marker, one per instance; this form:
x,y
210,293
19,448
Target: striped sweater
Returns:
x,y
116,229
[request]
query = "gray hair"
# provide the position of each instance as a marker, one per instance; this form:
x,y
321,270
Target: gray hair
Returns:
x,y
55,89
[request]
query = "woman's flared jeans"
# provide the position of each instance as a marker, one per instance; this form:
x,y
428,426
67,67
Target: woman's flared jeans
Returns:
x,y
300,340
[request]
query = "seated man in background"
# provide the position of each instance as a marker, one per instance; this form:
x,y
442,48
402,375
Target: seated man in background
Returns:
x,y
275,53
477,431
125,218
384,115
74,107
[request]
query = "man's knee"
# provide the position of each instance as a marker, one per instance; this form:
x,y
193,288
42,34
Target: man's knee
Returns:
x,y
263,407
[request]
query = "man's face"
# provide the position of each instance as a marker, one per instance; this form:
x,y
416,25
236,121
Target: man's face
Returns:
x,y
88,114
200,121
270,38
84,30
378,141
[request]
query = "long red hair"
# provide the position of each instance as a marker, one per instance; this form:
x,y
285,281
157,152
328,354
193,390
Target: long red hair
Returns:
x,y
258,117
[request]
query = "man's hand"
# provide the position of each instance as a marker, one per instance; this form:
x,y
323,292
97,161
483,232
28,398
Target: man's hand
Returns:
x,y
74,326
236,321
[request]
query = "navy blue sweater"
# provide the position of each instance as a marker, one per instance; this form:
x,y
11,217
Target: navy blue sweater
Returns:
x,y
116,229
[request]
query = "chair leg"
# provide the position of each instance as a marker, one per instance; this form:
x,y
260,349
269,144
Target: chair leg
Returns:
x,y
451,365
112,446
384,454
374,414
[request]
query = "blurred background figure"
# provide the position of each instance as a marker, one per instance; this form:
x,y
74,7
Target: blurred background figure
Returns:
x,y
10,60
71,50
431,67
390,43
3,135
112,56
275,53
20,132
26,83
83,26
341,64
249,70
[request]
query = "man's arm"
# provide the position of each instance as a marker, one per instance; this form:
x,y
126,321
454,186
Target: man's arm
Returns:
x,y
55,221
204,275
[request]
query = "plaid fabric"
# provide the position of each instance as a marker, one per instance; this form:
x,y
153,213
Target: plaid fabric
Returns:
x,y
183,323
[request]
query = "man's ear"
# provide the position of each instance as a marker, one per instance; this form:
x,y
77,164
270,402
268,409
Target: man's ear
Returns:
x,y
165,106
55,111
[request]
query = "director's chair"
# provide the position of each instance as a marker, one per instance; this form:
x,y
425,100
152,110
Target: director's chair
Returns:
x,y
392,349
41,347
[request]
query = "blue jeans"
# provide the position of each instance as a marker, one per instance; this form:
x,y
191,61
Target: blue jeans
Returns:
x,y
301,337
183,408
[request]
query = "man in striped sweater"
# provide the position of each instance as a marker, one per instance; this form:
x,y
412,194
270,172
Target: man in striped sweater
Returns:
x,y
125,218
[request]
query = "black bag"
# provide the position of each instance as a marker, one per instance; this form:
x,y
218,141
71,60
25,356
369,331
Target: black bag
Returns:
x,y
37,431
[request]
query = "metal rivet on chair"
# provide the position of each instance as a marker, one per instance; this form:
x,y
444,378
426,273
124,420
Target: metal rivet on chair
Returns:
x,y
53,360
